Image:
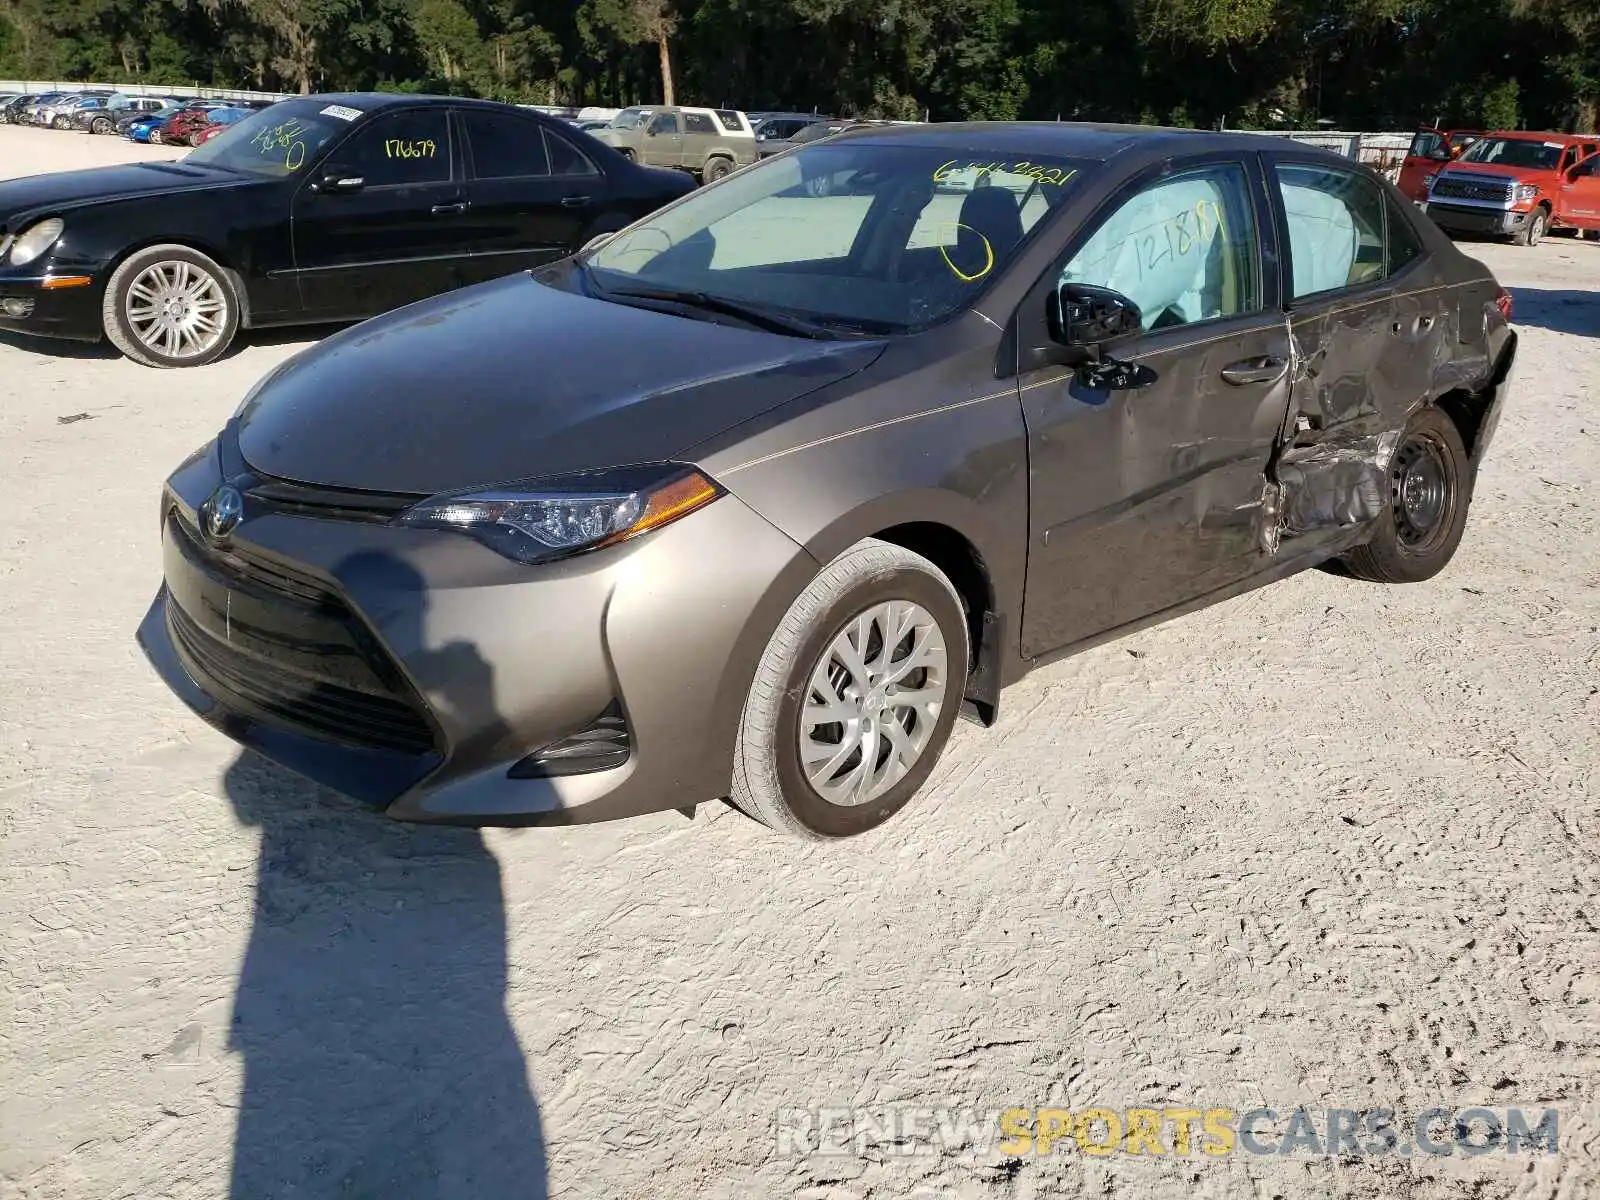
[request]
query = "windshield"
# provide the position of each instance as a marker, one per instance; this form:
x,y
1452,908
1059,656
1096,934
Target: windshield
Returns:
x,y
277,140
1515,152
854,233
628,118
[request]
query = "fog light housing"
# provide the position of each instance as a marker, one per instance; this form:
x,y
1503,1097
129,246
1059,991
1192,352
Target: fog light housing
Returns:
x,y
600,746
16,307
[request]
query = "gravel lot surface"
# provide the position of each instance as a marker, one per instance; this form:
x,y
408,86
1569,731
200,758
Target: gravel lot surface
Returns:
x,y
1329,844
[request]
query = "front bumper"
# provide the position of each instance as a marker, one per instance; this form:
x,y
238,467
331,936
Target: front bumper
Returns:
x,y
27,305
497,659
1488,222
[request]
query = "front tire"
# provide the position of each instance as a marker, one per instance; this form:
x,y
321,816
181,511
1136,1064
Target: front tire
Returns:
x,y
170,306
855,696
1532,233
1430,490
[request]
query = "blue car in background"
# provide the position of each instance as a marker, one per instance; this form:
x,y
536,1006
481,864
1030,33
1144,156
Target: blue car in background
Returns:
x,y
138,128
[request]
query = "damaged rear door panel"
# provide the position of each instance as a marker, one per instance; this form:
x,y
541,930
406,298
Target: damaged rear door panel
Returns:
x,y
1370,325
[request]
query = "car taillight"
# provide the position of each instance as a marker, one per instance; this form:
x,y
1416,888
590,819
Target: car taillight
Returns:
x,y
1502,301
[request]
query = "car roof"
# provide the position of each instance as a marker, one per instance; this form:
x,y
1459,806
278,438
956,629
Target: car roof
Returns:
x,y
1533,135
1067,139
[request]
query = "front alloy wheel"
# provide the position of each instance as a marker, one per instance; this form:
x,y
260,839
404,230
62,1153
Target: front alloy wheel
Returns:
x,y
855,697
170,306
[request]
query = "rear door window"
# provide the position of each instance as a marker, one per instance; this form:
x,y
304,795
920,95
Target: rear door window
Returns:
x,y
505,146
1335,221
698,123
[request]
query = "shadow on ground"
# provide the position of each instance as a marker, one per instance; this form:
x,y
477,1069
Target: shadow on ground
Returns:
x,y
379,1061
64,349
1565,310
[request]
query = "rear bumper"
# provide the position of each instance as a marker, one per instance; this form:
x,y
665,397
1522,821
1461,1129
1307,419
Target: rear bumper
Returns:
x,y
28,306
1488,222
496,659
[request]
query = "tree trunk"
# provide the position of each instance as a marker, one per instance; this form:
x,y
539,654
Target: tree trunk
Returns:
x,y
666,69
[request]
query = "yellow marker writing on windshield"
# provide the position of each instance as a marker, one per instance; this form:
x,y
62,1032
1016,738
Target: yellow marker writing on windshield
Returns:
x,y
988,251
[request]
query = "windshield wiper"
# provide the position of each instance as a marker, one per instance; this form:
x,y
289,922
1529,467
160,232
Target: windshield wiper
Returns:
x,y
754,314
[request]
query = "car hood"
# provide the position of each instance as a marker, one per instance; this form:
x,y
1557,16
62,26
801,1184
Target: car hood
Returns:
x,y
513,380
1489,170
68,189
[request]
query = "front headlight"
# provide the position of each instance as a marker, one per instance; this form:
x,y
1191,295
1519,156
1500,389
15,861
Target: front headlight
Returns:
x,y
35,240
1526,191
556,517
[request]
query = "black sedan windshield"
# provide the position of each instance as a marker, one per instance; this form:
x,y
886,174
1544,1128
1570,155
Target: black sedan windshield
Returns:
x,y
278,140
854,232
1515,152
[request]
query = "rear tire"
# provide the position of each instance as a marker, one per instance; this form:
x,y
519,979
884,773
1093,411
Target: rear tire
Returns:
x,y
879,638
717,168
1532,233
203,319
1430,483
100,125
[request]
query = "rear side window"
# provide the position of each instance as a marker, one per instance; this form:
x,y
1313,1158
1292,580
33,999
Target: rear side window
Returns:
x,y
1183,248
567,159
505,146
1404,246
1335,221
731,120
698,123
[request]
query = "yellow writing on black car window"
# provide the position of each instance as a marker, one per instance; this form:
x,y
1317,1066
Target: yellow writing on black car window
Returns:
x,y
414,148
1053,176
282,139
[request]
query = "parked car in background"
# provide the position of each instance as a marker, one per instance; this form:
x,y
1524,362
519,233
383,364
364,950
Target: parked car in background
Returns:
x,y
708,143
219,120
775,131
28,114
1511,184
142,127
323,208
64,116
783,512
178,130
118,109
590,125
1430,150
11,105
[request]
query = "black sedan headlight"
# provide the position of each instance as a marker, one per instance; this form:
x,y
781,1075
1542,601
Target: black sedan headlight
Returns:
x,y
34,241
556,517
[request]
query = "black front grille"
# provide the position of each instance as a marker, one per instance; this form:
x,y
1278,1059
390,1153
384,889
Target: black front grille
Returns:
x,y
1458,187
275,643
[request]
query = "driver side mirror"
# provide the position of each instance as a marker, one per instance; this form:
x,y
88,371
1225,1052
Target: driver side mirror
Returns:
x,y
1085,321
335,182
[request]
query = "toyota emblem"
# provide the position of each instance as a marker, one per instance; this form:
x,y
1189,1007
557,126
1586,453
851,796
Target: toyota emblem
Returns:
x,y
220,513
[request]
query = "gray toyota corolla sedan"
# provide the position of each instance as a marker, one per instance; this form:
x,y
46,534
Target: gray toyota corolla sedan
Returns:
x,y
755,498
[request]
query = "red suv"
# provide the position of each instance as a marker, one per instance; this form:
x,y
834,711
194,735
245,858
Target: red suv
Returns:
x,y
1518,185
1430,150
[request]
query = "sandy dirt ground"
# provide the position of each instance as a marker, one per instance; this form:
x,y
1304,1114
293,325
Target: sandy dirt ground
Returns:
x,y
1330,844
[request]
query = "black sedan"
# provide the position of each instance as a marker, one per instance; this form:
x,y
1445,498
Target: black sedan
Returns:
x,y
327,208
705,511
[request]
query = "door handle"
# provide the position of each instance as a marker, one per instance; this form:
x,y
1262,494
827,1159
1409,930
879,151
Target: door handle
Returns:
x,y
576,201
440,210
1264,369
